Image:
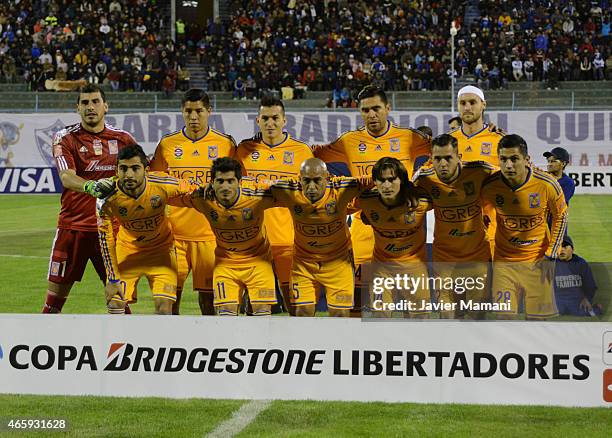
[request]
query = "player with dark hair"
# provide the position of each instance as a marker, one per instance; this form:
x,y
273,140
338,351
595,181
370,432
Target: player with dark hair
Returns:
x,y
243,260
399,234
557,160
523,198
86,156
460,246
189,154
273,155
144,246
355,152
454,123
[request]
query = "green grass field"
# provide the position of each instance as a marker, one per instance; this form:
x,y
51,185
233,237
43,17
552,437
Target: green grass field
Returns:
x,y
27,226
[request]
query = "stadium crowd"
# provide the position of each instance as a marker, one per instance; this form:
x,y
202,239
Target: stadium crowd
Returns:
x,y
121,43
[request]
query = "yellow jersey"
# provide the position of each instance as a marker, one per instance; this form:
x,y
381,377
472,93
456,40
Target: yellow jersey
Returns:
x,y
143,222
262,161
522,229
399,234
321,231
459,230
191,159
359,150
481,146
239,229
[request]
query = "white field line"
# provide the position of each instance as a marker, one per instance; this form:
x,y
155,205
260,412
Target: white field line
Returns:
x,y
240,419
19,256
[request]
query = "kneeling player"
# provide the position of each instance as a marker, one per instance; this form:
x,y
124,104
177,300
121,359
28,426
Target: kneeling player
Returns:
x,y
243,260
145,244
322,242
524,197
399,239
461,252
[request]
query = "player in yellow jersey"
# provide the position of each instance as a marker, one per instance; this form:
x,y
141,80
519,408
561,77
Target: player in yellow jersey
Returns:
x,y
144,246
322,257
243,260
188,154
460,246
525,247
273,155
355,152
477,140
399,237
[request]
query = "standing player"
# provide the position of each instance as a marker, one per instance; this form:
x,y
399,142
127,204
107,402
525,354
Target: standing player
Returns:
x,y
460,246
273,155
322,242
243,260
523,198
83,153
144,246
399,234
188,154
355,152
477,141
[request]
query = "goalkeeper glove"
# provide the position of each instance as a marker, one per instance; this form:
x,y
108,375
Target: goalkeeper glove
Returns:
x,y
100,188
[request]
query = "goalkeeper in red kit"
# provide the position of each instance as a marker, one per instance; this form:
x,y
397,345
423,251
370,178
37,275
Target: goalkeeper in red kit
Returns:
x,y
86,158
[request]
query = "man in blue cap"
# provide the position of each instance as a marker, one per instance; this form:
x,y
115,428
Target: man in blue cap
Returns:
x,y
557,160
574,283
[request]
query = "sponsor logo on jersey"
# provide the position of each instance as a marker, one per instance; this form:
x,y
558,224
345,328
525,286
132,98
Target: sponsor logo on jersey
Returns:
x,y
378,148
515,201
113,147
410,218
468,149
394,144
452,194
298,209
254,155
288,157
362,148
499,200
139,208
178,153
455,232
97,146
534,200
213,152
458,214
93,166
123,211
83,149
469,188
247,214
271,158
485,148
156,201
522,242
522,223
231,218
195,153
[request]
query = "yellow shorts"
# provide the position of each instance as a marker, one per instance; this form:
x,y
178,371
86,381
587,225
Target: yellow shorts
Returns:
x,y
517,281
257,278
336,276
417,295
283,259
158,266
464,281
198,258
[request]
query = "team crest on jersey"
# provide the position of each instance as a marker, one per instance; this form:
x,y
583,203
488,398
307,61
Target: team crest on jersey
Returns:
x,y
534,200
330,208
97,146
409,218
499,200
288,157
485,148
55,269
123,211
394,144
435,192
375,216
247,214
214,215
362,148
298,209
469,188
156,201
254,155
213,152
178,153
47,139
113,147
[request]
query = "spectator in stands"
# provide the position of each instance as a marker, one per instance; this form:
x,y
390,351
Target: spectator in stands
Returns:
x,y
558,159
517,69
239,89
574,284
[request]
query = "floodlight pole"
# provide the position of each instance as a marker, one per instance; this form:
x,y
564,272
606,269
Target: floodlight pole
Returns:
x,y
453,32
